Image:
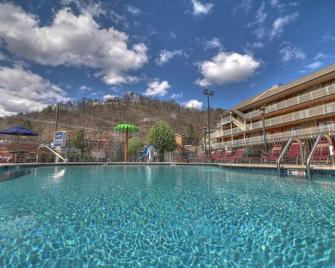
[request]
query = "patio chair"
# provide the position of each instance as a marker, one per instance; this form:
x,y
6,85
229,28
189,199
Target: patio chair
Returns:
x,y
237,157
293,152
321,153
273,156
227,156
216,156
212,156
201,157
7,157
28,157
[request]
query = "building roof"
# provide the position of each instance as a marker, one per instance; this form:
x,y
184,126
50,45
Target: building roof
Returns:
x,y
292,87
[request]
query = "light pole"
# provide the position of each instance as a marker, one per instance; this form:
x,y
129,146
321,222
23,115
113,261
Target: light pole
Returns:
x,y
262,109
205,134
208,93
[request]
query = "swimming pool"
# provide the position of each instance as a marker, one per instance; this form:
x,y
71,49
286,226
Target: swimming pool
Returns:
x,y
160,216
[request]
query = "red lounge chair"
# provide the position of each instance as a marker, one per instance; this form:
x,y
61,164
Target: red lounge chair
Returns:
x,y
213,154
28,157
238,155
227,156
293,152
6,157
321,153
201,157
274,155
217,156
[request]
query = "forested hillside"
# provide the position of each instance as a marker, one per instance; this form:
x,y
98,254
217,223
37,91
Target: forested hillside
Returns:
x,y
97,116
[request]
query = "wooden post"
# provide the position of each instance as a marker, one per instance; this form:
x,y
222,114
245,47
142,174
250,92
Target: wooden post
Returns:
x,y
126,146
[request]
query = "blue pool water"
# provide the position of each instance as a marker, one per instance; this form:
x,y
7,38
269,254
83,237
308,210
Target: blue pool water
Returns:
x,y
162,216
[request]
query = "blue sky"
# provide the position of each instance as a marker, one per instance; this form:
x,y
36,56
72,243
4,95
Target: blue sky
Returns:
x,y
57,51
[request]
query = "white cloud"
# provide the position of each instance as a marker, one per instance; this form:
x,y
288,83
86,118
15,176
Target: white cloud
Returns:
x,y
109,97
314,65
276,4
201,8
2,56
24,91
133,10
84,88
255,45
289,53
280,5
280,23
213,43
227,68
261,14
245,5
172,35
71,40
328,37
261,32
177,95
193,104
166,55
259,25
94,8
320,56
157,88
317,63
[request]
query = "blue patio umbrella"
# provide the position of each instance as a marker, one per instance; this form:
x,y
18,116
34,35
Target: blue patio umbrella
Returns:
x,y
18,131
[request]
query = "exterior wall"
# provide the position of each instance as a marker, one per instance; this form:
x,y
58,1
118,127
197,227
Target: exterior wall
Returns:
x,y
304,113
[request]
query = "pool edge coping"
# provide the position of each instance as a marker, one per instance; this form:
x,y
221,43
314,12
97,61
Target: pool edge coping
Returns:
x,y
265,167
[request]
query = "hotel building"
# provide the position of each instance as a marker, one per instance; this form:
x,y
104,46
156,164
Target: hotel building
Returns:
x,y
302,109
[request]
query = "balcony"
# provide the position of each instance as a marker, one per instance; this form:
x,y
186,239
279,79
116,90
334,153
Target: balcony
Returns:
x,y
315,94
286,118
278,137
234,120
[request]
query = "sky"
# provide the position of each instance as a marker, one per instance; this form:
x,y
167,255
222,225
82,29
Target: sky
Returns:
x,y
57,51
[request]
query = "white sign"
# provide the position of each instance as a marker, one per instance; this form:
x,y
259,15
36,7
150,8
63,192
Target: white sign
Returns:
x,y
60,139
298,173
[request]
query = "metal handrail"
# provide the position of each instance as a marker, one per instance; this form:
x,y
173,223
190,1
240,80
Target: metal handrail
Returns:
x,y
283,153
302,154
52,151
315,145
308,163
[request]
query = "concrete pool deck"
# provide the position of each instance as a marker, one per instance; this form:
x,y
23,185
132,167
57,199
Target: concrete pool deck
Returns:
x,y
255,166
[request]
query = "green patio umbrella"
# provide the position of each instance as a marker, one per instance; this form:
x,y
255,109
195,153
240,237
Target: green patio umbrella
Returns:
x,y
126,129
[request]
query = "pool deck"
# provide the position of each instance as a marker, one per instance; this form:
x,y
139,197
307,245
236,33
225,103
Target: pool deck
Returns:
x,y
230,165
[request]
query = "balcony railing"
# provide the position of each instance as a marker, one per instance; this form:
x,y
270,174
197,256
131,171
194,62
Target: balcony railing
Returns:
x,y
286,118
315,94
277,137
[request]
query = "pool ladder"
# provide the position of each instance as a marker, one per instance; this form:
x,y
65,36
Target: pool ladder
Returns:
x,y
287,146
315,145
58,156
309,159
281,156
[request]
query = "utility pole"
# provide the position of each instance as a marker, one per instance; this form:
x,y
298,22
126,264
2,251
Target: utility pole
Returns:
x,y
57,117
262,109
205,134
208,93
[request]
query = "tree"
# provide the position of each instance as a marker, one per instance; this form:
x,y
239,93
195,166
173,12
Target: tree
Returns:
x,y
28,124
126,129
78,140
163,136
191,134
135,145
